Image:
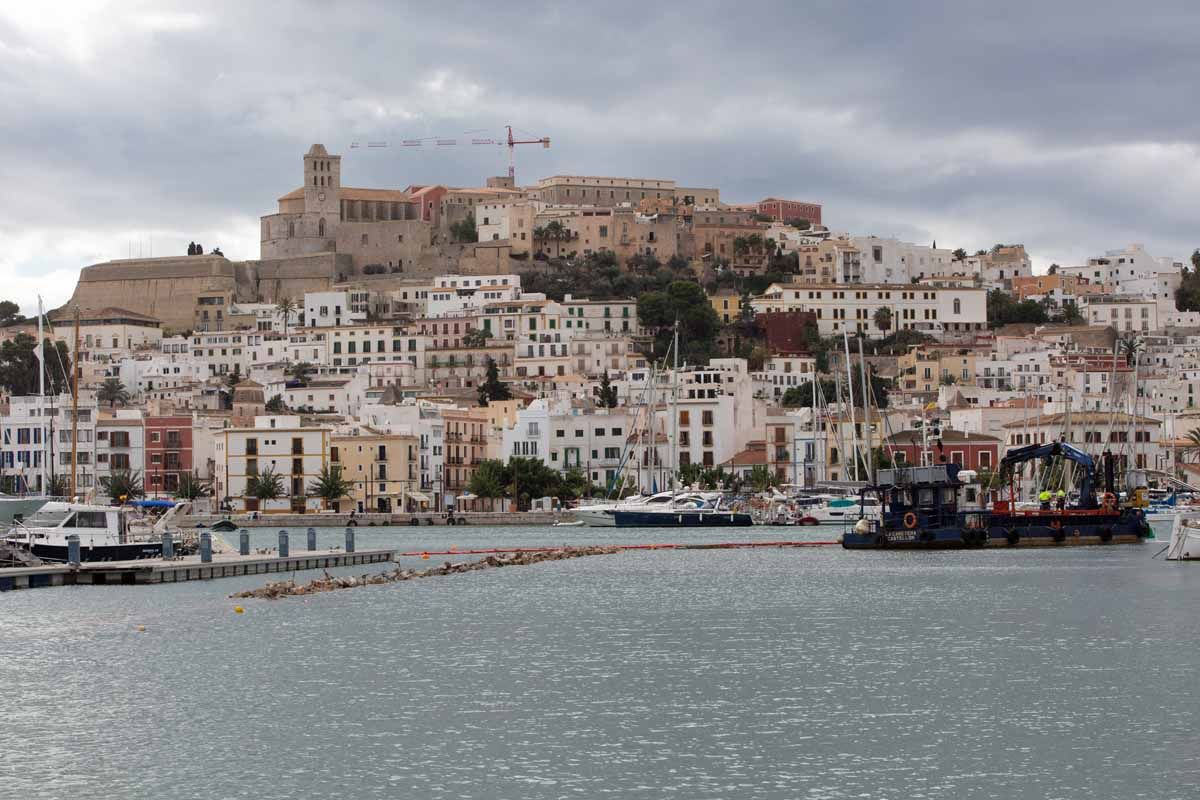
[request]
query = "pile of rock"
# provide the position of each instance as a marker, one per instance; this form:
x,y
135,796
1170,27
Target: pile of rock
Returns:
x,y
328,583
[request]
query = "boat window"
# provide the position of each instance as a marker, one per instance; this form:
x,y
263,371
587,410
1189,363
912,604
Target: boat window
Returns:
x,y
87,519
46,519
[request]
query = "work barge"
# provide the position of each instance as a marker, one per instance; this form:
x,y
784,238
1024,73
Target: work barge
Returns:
x,y
929,508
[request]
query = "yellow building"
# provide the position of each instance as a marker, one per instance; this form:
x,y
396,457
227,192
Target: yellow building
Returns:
x,y
727,303
381,467
924,369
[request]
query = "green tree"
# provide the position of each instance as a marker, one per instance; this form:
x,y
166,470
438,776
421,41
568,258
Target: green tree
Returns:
x,y
192,486
574,484
286,307
492,387
478,337
464,230
960,254
1003,309
529,478
123,485
760,478
330,485
276,405
686,302
10,313
300,371
883,318
948,380
19,365
1130,347
606,393
112,391
1192,448
266,485
799,223
489,479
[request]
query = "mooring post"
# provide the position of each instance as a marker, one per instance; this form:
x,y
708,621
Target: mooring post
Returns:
x,y
168,550
312,539
283,544
73,550
244,542
205,548
349,540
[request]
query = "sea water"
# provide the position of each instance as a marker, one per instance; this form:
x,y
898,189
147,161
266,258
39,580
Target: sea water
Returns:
x,y
767,673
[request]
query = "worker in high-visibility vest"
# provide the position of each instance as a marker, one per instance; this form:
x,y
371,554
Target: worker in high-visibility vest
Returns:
x,y
1062,500
1044,499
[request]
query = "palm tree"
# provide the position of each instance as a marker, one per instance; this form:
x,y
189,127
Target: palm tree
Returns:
x,y
112,391
123,485
266,485
1192,448
286,307
330,486
1130,347
299,371
883,318
761,478
192,486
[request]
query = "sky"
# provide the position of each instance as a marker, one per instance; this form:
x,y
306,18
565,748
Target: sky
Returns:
x,y
132,128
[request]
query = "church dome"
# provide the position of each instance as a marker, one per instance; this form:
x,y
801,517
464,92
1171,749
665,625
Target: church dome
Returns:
x,y
317,150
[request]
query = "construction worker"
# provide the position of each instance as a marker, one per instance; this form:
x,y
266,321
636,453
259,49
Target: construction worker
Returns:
x,y
1044,499
1062,500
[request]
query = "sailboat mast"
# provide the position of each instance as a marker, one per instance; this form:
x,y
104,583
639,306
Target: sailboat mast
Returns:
x,y
41,359
850,395
75,406
862,370
675,412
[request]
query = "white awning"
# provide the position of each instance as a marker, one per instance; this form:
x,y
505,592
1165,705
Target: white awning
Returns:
x,y
420,498
467,496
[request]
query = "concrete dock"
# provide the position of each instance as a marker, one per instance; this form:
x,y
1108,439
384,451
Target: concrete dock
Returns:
x,y
187,568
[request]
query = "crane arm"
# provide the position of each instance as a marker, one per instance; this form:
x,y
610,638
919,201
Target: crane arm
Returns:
x,y
1064,450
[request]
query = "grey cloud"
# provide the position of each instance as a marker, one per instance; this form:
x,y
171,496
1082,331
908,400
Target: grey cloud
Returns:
x,y
1013,122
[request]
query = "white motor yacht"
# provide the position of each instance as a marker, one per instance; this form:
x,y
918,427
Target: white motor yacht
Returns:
x,y
103,533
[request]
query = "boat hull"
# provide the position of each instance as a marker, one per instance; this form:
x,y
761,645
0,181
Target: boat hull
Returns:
x,y
129,551
681,519
1046,531
595,518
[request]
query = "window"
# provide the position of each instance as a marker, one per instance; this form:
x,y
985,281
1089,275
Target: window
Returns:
x,y
706,418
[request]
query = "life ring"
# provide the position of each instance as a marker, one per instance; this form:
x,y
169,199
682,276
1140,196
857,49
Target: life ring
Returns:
x,y
910,520
450,521
1012,537
1106,535
810,521
1109,501
414,521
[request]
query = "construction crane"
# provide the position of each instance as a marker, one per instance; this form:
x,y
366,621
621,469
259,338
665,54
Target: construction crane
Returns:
x,y
443,141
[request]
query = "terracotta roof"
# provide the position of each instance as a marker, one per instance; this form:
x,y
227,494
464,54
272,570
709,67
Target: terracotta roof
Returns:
x,y
755,453
1084,418
355,193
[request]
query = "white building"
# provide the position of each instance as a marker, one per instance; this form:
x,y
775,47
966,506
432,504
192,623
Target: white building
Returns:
x,y
333,309
278,444
120,446
886,260
459,294
942,312
1127,314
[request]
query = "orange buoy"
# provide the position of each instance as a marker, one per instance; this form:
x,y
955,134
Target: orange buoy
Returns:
x,y
425,556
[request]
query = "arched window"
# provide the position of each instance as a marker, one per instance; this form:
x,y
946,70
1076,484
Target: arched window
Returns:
x,y
314,180
321,227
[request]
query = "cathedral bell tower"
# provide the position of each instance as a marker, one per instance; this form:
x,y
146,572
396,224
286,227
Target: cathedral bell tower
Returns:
x,y
322,192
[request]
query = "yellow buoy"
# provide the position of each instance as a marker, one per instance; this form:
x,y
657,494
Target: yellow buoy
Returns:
x,y
238,609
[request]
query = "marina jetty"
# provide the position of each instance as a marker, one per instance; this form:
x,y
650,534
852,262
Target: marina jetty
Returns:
x,y
328,583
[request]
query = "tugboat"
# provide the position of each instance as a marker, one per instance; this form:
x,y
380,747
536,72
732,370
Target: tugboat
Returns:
x,y
922,510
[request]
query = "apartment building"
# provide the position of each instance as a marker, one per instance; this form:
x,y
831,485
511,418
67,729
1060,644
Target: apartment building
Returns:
x,y
276,443
382,468
168,452
937,311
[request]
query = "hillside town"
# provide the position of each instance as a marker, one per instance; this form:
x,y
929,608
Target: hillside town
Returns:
x,y
484,348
